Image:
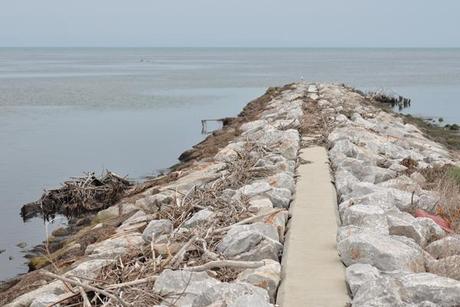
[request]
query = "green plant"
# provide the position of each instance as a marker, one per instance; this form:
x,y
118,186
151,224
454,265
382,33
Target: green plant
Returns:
x,y
454,173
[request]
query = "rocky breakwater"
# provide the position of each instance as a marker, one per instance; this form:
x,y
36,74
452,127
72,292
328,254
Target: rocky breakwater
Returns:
x,y
394,255
211,232
210,235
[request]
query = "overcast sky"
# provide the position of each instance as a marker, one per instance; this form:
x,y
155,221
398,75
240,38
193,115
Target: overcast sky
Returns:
x,y
251,23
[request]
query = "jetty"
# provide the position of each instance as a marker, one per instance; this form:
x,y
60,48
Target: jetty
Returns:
x,y
315,195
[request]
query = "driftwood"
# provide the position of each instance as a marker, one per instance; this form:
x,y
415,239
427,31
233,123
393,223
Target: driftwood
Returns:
x,y
79,195
392,100
86,287
218,264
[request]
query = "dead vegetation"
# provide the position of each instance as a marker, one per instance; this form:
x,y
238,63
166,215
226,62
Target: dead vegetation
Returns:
x,y
78,195
443,135
130,279
446,182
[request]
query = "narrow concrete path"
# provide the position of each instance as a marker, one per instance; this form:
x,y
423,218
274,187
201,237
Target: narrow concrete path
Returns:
x,y
312,272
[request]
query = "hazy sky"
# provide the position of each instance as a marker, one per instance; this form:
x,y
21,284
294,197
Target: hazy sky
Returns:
x,y
277,23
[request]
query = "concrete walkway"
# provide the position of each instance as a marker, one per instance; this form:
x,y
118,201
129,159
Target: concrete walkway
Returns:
x,y
312,272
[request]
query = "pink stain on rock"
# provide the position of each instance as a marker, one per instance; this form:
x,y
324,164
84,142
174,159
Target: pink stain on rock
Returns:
x,y
436,218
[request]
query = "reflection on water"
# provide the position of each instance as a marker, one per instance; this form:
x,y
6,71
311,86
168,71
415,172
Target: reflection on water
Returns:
x,y
133,111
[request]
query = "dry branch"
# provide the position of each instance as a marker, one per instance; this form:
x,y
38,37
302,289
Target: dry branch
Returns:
x,y
87,287
226,264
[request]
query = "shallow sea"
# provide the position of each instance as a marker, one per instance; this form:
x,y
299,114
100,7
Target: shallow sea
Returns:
x,y
133,111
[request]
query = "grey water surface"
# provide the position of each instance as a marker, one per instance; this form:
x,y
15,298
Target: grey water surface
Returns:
x,y
133,111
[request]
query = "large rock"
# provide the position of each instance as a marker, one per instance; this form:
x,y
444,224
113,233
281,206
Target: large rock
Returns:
x,y
233,295
448,246
382,251
282,180
366,216
267,277
404,224
46,292
408,289
45,300
251,242
156,228
387,199
426,287
253,189
230,153
260,205
284,142
279,221
447,266
359,274
135,222
154,203
183,287
365,171
431,230
253,126
381,292
114,247
115,211
199,218
280,197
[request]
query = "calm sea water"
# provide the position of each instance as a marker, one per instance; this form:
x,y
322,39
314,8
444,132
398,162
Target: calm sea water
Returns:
x,y
133,111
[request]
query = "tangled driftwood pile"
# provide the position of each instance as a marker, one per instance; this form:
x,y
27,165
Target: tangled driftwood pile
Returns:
x,y
79,195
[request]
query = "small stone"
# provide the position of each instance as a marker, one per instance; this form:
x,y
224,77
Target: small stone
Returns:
x,y
22,245
60,232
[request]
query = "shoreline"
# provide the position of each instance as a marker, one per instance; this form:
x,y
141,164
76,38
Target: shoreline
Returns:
x,y
272,125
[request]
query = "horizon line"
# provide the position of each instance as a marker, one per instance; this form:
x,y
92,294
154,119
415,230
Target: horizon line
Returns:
x,y
240,47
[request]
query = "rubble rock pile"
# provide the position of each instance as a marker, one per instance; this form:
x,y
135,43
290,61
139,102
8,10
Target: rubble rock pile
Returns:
x,y
393,258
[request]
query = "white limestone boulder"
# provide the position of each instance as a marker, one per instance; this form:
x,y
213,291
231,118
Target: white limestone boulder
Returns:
x,y
381,251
